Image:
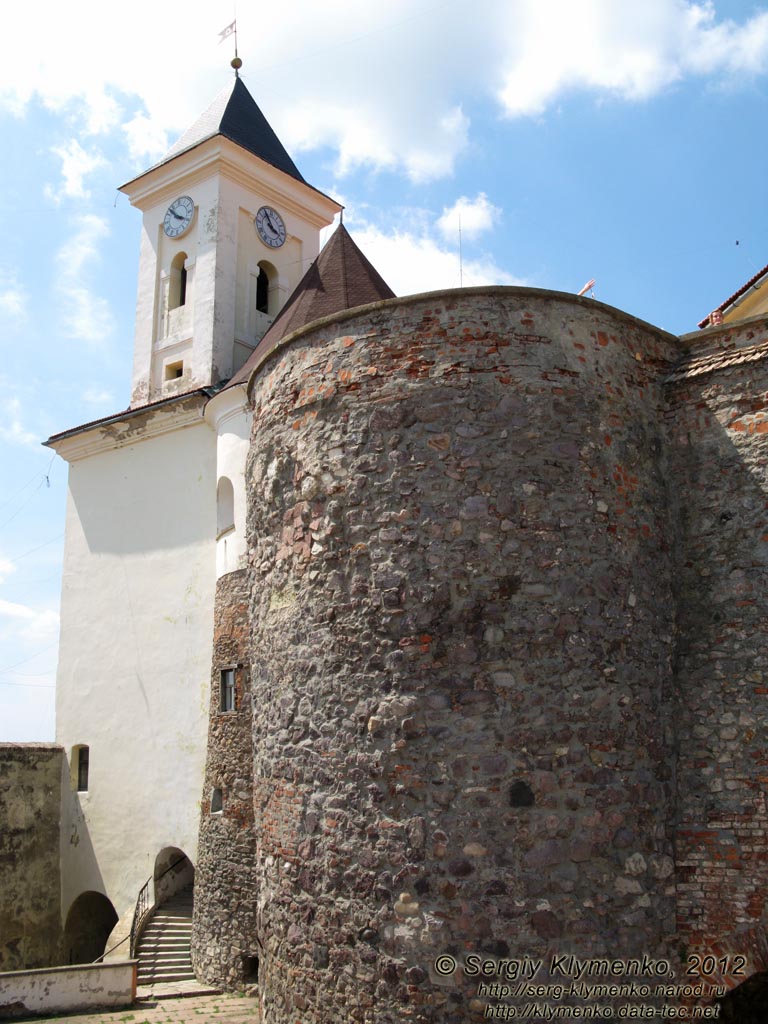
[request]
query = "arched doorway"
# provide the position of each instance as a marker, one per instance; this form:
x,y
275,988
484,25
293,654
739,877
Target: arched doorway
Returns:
x,y
90,920
173,872
746,1004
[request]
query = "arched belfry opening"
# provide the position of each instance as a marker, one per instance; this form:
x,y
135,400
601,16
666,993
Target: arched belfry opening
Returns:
x,y
267,289
89,922
225,506
177,284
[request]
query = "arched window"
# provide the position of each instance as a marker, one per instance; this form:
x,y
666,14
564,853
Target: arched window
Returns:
x,y
225,506
262,291
267,291
177,287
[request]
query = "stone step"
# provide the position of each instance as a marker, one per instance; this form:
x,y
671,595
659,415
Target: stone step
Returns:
x,y
163,951
165,956
152,945
168,928
165,976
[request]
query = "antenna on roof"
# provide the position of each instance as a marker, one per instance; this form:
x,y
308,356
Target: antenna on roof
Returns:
x,y
588,287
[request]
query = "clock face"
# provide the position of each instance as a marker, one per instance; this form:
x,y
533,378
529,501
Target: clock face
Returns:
x,y
270,227
178,216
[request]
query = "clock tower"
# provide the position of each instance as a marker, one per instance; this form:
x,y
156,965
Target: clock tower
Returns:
x,y
230,226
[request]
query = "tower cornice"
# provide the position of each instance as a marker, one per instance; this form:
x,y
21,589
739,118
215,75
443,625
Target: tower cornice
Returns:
x,y
221,155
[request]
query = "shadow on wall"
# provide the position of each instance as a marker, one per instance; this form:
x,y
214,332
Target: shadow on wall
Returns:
x,y
718,460
746,1004
90,920
173,872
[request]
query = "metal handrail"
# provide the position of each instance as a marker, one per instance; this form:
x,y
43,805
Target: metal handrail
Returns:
x,y
100,959
140,912
142,905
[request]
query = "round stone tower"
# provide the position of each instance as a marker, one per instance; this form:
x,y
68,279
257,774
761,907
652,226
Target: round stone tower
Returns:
x,y
460,650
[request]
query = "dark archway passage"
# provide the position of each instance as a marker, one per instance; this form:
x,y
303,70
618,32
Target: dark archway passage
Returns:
x,y
173,872
748,1002
90,920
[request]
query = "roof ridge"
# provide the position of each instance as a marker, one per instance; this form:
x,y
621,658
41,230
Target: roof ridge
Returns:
x,y
236,116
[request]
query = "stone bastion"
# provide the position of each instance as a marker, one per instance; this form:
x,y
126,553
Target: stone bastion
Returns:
x,y
461,633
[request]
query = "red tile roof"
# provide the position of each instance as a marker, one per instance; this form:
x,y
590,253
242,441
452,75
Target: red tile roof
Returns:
x,y
707,321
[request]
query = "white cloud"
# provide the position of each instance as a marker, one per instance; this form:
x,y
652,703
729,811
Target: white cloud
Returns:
x,y
9,609
147,140
13,297
84,315
76,163
35,623
632,51
98,396
12,428
412,263
474,215
384,85
6,568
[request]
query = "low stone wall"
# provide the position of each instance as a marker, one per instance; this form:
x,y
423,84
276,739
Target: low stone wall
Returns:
x,y
67,989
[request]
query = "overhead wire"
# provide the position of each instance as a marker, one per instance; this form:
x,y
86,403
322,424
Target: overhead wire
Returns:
x,y
44,479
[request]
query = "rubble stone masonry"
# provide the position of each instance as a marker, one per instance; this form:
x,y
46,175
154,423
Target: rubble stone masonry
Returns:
x,y
224,923
506,642
719,428
462,633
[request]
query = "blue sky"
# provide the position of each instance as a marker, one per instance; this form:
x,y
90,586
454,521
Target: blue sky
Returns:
x,y
602,139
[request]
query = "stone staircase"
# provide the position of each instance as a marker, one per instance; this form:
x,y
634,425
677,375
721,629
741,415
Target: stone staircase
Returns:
x,y
163,951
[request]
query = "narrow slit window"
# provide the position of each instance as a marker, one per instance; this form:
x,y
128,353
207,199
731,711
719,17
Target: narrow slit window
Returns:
x,y
262,291
82,769
217,801
227,701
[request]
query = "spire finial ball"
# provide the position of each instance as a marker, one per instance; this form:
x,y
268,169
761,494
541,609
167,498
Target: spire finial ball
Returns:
x,y
236,63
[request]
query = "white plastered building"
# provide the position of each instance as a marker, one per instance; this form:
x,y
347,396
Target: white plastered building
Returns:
x,y
156,507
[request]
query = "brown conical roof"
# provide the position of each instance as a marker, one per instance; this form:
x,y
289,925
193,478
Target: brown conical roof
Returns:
x,y
340,278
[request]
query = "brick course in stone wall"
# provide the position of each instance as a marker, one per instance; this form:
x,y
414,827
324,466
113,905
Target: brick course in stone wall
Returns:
x,y
719,428
224,924
507,609
462,629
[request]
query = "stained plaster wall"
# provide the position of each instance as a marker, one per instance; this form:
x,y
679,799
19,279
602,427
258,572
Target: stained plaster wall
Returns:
x,y
31,776
219,325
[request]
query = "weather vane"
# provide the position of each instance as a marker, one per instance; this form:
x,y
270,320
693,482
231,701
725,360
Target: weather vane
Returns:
x,y
231,30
